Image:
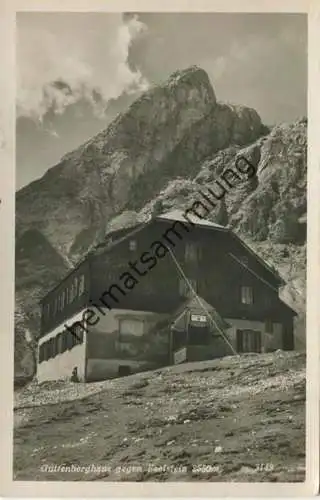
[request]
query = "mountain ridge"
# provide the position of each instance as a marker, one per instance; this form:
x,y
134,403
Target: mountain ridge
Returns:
x,y
174,139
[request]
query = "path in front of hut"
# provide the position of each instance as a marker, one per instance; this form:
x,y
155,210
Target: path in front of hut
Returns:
x,y
240,418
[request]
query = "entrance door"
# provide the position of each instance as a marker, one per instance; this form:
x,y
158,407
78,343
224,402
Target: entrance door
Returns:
x,y
199,335
248,341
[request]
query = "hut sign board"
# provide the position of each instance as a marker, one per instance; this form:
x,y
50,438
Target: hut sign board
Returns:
x,y
199,319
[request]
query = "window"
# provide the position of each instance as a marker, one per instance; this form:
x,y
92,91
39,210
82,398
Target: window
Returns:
x,y
73,290
63,299
185,289
55,346
70,341
130,331
78,333
52,346
49,349
45,351
133,245
74,338
64,340
246,295
81,285
191,252
59,343
269,326
248,341
130,327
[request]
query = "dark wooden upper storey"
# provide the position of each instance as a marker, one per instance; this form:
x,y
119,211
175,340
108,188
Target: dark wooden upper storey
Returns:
x,y
219,266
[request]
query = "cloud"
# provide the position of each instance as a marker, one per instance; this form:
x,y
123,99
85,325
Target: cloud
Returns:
x,y
62,58
254,59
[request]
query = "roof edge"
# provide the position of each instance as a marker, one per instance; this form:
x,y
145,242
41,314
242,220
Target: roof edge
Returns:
x,y
260,259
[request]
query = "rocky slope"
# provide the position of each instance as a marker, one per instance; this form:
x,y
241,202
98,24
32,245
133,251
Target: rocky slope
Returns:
x,y
171,142
210,421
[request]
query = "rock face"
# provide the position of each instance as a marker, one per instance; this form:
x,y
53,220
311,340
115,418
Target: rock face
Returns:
x,y
24,349
172,141
161,135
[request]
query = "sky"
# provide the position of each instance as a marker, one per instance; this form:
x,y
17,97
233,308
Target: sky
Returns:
x,y
76,71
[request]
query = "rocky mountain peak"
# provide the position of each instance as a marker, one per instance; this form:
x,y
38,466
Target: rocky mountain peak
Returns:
x,y
192,77
172,140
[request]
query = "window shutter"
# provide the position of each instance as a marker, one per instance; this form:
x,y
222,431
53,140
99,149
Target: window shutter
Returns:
x,y
133,245
246,295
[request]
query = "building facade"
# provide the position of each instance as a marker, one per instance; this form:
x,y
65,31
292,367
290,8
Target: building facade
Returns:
x,y
167,291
